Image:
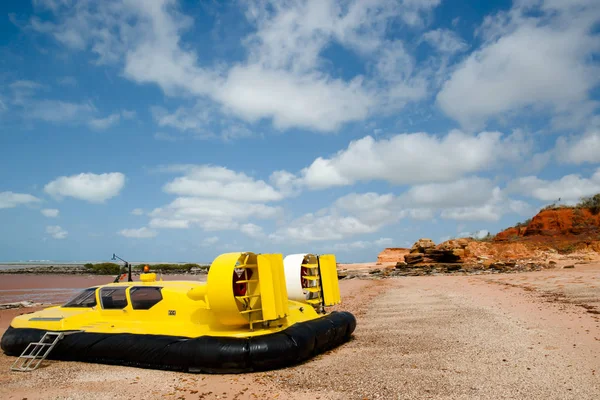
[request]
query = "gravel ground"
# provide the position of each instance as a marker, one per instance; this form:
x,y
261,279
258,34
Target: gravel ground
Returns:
x,y
511,336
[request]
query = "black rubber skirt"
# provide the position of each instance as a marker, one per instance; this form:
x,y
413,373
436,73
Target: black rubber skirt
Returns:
x,y
204,354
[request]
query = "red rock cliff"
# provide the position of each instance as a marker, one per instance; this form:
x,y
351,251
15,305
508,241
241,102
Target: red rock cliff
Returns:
x,y
558,222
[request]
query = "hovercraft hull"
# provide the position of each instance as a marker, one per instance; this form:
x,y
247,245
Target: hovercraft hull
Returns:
x,y
204,354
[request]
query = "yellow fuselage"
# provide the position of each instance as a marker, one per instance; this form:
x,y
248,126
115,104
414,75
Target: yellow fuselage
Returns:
x,y
183,311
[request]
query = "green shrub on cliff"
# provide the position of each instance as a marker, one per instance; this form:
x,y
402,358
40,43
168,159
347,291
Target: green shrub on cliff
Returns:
x,y
591,202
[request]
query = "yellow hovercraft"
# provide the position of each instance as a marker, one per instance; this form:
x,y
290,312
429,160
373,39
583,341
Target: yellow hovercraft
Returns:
x,y
240,320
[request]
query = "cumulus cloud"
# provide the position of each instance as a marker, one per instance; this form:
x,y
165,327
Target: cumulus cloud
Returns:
x,y
11,200
445,41
407,159
570,188
169,223
285,77
94,188
350,215
579,149
50,212
252,230
209,241
211,213
467,199
220,182
56,232
110,120
215,198
60,111
535,55
140,233
137,211
360,245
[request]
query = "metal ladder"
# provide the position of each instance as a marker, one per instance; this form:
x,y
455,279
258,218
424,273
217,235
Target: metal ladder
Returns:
x,y
33,355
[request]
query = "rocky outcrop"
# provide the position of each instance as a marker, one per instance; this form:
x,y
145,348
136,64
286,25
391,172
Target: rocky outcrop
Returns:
x,y
392,255
424,251
421,245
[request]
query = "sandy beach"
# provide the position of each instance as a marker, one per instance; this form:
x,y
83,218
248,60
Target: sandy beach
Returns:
x,y
532,335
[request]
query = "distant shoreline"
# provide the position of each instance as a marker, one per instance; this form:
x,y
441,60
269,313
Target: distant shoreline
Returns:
x,y
80,269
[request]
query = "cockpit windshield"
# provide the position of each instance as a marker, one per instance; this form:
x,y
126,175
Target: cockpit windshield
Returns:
x,y
86,298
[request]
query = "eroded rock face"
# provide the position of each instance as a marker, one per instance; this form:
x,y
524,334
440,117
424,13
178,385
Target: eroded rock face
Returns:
x,y
392,254
561,222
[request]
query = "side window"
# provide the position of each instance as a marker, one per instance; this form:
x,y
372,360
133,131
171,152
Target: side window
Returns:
x,y
113,298
144,298
84,299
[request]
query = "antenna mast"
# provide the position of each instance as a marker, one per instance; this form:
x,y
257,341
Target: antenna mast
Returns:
x,y
127,265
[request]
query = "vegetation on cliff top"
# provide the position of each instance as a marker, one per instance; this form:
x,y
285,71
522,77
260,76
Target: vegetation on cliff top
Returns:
x,y
591,203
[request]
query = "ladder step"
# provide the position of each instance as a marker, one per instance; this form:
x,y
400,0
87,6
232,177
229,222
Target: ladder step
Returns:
x,y
313,289
311,277
314,301
31,361
248,281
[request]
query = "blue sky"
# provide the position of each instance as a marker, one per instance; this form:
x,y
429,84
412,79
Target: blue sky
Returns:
x,y
179,130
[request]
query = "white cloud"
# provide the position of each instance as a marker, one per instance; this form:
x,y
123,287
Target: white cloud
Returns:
x,y
220,182
184,119
463,192
308,101
536,55
67,81
23,91
445,41
111,120
137,211
56,232
212,214
11,200
59,111
169,223
285,77
95,188
350,215
50,212
252,230
140,233
569,188
384,242
468,199
215,198
408,158
360,245
480,234
209,241
104,123
579,149
203,121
